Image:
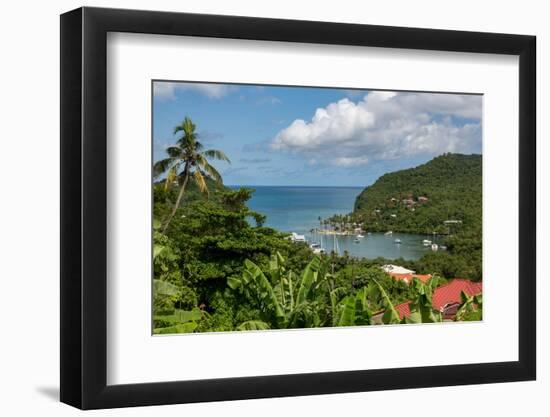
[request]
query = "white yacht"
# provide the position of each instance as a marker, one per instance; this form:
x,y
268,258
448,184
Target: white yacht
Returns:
x,y
316,248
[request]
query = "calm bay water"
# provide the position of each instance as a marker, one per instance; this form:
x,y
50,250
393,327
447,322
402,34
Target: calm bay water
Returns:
x,y
297,209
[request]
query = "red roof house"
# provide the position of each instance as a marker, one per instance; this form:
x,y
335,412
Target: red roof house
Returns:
x,y
409,277
446,298
450,293
403,309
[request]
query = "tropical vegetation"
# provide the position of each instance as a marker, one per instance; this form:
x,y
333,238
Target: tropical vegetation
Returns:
x,y
216,267
441,197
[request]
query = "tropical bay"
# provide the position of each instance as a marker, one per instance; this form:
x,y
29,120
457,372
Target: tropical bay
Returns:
x,y
333,221
298,208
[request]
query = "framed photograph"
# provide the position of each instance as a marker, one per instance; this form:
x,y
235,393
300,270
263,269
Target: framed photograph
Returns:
x,y
257,208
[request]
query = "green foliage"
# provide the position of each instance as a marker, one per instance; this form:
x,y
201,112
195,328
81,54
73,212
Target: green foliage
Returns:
x,y
421,307
353,310
391,316
451,183
253,325
217,268
471,308
420,200
165,259
283,302
165,296
168,319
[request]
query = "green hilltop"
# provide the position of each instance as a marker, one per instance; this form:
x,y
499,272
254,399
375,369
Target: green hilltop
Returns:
x,y
443,196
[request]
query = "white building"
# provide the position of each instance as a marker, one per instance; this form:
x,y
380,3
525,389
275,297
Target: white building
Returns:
x,y
395,269
295,237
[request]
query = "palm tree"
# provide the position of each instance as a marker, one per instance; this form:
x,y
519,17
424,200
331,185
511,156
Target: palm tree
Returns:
x,y
187,159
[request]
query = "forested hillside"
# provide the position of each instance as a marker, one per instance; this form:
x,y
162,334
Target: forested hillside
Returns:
x,y
422,199
443,196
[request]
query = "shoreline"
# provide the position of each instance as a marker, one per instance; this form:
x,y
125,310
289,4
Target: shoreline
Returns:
x,y
362,232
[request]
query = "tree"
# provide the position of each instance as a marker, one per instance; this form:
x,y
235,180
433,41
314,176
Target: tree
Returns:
x,y
186,160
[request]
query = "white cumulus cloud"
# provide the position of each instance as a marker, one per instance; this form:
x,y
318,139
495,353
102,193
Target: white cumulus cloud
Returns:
x,y
386,125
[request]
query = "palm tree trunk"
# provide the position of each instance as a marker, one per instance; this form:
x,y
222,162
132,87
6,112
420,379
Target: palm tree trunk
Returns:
x,y
178,200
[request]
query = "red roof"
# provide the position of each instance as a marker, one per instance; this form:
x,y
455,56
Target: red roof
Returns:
x,y
403,309
445,295
409,277
424,278
450,293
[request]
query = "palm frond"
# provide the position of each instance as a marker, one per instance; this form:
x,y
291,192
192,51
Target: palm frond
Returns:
x,y
199,179
174,151
186,126
211,171
160,167
186,143
216,154
171,177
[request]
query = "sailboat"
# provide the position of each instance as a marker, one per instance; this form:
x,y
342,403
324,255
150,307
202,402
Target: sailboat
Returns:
x,y
316,247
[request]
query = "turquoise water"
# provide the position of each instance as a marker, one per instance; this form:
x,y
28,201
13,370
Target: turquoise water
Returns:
x,y
378,244
297,209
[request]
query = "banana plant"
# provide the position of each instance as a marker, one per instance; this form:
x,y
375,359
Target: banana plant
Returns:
x,y
286,300
180,321
421,307
166,318
165,295
353,310
253,325
471,308
390,316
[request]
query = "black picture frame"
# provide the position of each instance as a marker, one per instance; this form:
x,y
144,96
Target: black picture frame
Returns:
x,y
84,207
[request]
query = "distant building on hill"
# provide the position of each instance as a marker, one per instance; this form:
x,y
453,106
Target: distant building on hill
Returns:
x,y
295,237
407,278
403,274
389,268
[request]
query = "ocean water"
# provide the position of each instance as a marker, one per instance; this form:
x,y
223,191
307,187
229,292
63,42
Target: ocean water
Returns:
x,y
297,209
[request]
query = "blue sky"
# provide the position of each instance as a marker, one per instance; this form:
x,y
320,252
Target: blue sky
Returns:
x,y
316,136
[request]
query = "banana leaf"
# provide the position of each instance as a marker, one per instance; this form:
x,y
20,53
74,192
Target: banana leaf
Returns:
x,y
253,325
309,277
390,316
253,273
163,288
178,328
180,316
